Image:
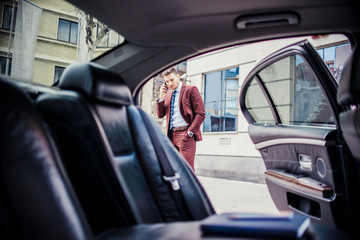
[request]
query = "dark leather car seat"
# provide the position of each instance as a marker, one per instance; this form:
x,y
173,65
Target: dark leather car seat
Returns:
x,y
36,197
108,150
348,95
36,200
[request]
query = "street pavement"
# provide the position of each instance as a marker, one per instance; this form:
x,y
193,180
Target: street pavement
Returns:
x,y
238,196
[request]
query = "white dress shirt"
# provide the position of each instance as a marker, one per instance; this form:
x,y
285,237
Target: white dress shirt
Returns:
x,y
178,120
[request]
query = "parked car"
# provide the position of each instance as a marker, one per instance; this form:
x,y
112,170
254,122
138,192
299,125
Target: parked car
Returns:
x,y
80,160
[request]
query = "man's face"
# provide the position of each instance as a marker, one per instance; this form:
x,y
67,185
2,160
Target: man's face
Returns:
x,y
172,80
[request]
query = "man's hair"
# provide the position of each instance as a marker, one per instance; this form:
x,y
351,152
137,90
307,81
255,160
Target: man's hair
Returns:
x,y
170,71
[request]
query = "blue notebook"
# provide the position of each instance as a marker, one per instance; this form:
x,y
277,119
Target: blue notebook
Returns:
x,y
287,225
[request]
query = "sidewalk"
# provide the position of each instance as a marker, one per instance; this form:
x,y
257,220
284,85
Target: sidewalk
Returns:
x,y
238,196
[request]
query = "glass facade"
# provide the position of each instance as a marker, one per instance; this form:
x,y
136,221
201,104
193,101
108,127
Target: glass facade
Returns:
x,y
221,100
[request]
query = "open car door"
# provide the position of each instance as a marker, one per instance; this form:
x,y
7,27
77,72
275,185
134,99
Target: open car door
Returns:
x,y
289,100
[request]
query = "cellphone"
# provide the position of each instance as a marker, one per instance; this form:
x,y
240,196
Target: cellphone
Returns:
x,y
166,87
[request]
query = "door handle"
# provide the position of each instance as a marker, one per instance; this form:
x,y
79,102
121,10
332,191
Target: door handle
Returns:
x,y
305,162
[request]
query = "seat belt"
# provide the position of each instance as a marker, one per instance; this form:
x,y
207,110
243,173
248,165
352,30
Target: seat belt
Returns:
x,y
169,174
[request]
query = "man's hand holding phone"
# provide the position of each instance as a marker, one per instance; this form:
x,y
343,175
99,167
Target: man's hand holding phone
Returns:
x,y
163,90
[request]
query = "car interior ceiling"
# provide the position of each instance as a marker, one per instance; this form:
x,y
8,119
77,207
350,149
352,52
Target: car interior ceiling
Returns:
x,y
54,127
154,39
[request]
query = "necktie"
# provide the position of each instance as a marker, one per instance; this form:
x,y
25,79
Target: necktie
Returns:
x,y
172,109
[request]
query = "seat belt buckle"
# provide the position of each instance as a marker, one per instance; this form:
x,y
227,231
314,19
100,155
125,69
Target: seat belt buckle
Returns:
x,y
173,180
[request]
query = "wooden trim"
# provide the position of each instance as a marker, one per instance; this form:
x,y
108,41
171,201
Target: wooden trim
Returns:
x,y
299,182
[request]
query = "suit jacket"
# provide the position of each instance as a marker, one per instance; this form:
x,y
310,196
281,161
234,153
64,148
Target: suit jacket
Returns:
x,y
191,108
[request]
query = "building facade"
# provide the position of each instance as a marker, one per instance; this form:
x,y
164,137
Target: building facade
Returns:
x,y
57,39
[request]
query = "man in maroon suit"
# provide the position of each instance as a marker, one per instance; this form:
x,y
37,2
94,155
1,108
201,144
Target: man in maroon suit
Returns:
x,y
184,110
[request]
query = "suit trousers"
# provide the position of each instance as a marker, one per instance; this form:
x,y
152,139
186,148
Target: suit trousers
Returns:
x,y
185,145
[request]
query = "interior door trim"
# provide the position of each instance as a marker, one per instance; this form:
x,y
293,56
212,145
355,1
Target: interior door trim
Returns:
x,y
299,182
280,141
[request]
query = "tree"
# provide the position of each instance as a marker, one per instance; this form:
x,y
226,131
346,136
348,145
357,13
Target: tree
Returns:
x,y
91,33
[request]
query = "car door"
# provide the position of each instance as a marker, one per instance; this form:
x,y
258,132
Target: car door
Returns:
x,y
289,100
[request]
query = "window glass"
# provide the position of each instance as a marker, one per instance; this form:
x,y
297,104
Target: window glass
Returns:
x,y
277,79
73,32
257,105
7,17
295,91
67,31
221,100
329,54
3,65
57,73
64,28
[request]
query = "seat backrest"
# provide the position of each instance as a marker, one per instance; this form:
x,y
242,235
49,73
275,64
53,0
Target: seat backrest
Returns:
x,y
348,95
36,200
105,144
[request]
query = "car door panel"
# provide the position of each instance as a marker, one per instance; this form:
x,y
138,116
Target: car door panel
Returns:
x,y
292,122
312,183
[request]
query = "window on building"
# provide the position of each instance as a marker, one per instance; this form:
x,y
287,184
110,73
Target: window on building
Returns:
x,y
3,65
6,23
221,107
57,74
67,31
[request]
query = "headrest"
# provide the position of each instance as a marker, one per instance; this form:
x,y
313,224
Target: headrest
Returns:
x,y
349,85
96,82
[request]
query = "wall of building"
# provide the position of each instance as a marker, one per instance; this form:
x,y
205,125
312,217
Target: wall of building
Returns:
x,y
50,51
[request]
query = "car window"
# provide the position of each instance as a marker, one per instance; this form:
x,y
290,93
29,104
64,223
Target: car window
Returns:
x,y
55,34
257,104
226,151
294,89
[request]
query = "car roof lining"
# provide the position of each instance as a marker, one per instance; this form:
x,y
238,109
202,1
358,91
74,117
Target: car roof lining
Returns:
x,y
161,40
212,22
